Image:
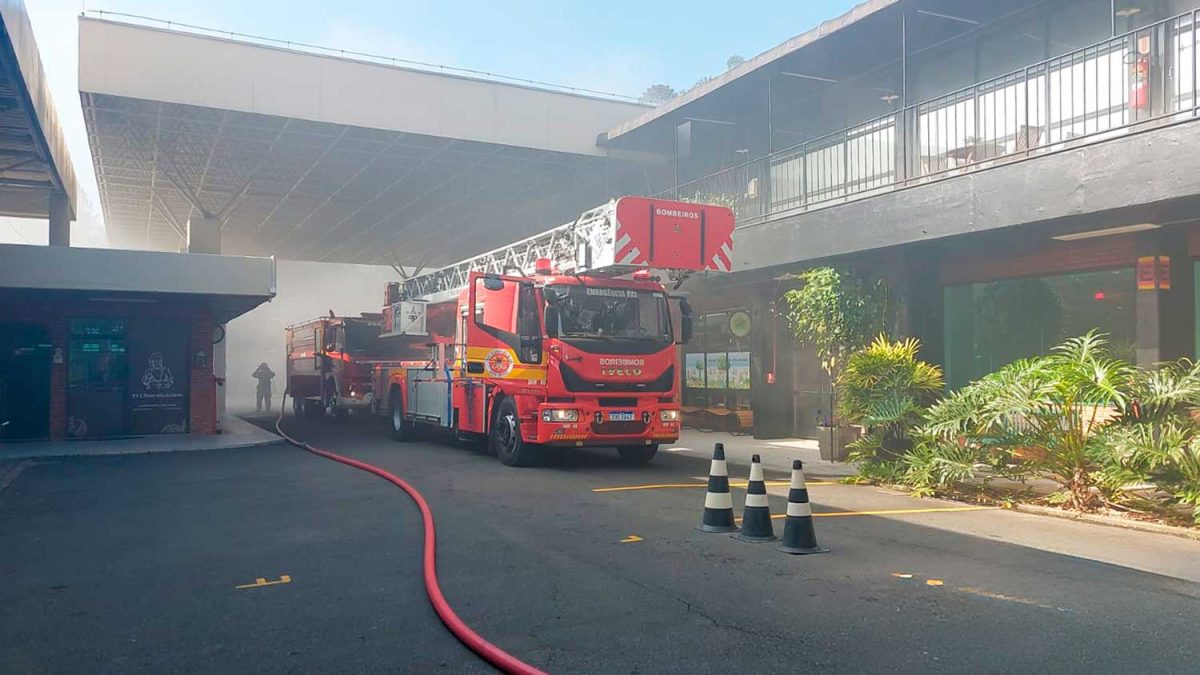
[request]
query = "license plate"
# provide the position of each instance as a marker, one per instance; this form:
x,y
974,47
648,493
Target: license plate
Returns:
x,y
620,416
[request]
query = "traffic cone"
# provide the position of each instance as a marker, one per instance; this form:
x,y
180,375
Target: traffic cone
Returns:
x,y
756,518
798,535
718,503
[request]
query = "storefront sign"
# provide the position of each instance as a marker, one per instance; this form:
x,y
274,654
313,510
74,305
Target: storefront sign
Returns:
x,y
739,370
159,377
739,324
1164,273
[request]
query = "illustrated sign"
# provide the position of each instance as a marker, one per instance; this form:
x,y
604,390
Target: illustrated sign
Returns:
x,y
159,370
693,371
717,370
739,370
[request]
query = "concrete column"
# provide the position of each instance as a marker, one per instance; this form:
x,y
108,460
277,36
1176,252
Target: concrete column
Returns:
x,y
1166,316
59,209
204,234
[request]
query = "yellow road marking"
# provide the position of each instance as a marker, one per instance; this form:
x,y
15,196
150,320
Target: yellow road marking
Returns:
x,y
283,579
902,575
631,539
893,512
933,582
665,486
1008,598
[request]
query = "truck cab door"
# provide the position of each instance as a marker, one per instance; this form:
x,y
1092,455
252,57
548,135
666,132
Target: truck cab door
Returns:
x,y
504,331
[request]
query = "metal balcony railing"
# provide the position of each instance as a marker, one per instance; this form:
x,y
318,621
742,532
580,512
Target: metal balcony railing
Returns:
x,y
1143,78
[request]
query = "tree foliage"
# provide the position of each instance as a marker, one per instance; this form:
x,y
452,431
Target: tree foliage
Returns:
x,y
836,312
658,94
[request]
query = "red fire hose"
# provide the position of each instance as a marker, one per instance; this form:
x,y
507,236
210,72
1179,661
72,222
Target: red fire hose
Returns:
x,y
489,652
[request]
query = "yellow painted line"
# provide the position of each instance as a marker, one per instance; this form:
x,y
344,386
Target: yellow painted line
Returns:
x,y
631,539
1008,598
934,582
259,582
667,486
893,512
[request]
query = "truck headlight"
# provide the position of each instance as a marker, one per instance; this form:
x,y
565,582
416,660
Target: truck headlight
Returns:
x,y
560,415
668,415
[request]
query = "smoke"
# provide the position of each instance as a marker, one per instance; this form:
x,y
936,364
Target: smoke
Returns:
x,y
306,290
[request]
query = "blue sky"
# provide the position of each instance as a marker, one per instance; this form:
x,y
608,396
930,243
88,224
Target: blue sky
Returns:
x,y
619,46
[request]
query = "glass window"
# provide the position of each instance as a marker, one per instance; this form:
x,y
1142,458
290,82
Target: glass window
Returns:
x,y
97,353
991,324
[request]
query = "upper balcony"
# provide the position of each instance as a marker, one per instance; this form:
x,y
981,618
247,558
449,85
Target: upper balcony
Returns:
x,y
1140,79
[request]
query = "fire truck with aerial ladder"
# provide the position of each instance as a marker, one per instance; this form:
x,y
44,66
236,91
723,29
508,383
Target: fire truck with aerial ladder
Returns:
x,y
563,339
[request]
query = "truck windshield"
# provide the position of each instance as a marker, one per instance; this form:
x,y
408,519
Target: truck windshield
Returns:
x,y
363,341
612,313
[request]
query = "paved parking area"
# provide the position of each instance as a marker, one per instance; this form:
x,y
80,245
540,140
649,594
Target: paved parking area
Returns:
x,y
131,564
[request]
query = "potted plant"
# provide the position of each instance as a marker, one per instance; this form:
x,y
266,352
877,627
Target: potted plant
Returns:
x,y
836,312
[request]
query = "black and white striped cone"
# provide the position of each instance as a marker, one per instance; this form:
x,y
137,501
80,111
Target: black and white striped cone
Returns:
x,y
798,535
718,503
756,518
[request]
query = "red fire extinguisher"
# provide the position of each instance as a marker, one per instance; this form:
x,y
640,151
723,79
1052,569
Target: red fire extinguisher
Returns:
x,y
1139,88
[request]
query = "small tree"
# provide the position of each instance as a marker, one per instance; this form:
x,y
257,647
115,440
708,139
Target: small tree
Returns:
x,y
734,61
657,94
837,313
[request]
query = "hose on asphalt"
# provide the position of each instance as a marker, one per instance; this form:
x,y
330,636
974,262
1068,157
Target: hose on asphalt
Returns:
x,y
489,652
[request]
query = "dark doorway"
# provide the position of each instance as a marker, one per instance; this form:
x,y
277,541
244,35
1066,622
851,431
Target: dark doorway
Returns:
x,y
25,354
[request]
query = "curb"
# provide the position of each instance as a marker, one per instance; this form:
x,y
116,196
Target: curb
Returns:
x,y
1037,510
1110,521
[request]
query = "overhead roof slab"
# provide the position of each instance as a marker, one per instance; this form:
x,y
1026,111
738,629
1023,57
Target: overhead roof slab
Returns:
x,y
314,157
33,152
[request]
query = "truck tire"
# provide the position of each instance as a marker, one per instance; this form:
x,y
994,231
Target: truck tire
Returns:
x,y
402,429
637,454
505,440
313,409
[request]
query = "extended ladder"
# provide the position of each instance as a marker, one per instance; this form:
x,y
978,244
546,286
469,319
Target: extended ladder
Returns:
x,y
561,246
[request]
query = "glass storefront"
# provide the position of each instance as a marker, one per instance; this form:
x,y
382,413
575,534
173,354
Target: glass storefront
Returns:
x,y
716,373
990,324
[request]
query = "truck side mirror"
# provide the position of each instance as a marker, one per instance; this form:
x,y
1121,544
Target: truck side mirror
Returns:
x,y
686,326
551,315
493,283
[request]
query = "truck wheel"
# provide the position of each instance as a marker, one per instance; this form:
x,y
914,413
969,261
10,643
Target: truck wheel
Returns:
x,y
637,454
401,428
313,409
505,437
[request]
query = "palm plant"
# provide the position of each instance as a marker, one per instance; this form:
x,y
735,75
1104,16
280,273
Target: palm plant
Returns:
x,y
1157,438
885,388
1045,411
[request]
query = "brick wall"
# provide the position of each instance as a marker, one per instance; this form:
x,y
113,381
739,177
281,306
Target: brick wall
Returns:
x,y
1054,257
203,396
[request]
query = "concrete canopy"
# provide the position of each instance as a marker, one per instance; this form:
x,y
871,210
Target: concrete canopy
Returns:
x,y
33,153
312,157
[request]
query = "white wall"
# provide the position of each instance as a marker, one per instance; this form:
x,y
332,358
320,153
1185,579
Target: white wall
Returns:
x,y
306,290
175,67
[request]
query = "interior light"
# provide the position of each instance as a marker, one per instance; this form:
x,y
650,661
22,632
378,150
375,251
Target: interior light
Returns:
x,y
1106,232
1128,12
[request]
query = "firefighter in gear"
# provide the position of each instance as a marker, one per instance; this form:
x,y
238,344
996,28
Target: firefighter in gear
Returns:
x,y
263,374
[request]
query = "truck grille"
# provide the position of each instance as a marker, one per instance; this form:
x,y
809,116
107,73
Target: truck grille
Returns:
x,y
575,382
633,428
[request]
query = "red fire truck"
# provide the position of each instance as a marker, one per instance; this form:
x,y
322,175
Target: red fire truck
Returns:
x,y
331,363
563,339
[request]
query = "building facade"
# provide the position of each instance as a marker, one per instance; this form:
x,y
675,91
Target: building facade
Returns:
x,y
1017,171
